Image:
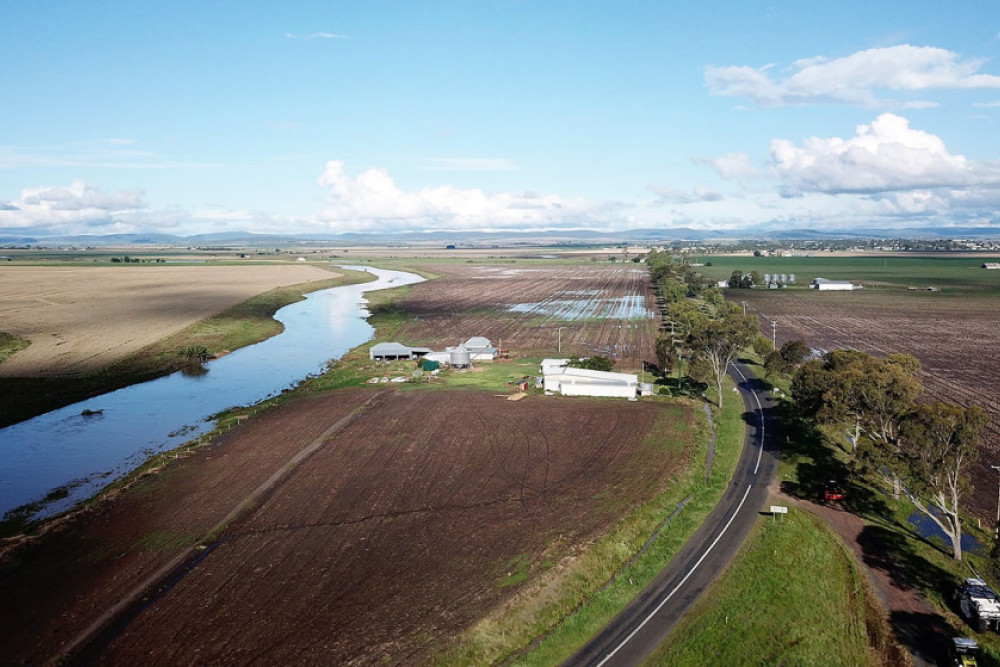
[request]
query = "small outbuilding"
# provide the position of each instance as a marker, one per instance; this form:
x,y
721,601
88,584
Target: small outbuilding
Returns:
x,y
824,285
992,265
389,352
585,382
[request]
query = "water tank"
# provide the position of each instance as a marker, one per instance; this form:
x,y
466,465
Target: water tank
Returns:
x,y
791,278
784,278
767,278
459,357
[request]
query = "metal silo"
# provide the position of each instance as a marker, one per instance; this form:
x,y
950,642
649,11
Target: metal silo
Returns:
x,y
459,357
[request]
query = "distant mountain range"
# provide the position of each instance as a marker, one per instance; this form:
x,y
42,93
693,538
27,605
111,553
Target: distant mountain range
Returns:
x,y
503,238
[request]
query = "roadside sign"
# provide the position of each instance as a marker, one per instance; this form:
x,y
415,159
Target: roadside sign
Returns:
x,y
779,509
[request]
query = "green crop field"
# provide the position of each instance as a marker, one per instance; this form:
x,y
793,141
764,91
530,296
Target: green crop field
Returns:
x,y
956,272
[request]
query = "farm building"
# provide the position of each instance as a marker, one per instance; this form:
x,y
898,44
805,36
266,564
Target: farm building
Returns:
x,y
991,265
584,382
480,349
550,366
824,285
395,352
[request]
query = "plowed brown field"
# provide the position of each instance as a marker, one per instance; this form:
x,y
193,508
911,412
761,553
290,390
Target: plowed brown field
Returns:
x,y
956,339
600,309
402,530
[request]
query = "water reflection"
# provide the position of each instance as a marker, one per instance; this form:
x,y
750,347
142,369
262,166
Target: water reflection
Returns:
x,y
67,455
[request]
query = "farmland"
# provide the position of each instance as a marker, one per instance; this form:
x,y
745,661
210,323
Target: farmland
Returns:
x,y
425,512
536,309
954,332
81,319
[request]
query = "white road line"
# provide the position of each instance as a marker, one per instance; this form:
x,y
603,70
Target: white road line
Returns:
x,y
760,408
677,587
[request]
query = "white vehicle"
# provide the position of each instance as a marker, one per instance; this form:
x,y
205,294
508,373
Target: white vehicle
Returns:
x,y
979,604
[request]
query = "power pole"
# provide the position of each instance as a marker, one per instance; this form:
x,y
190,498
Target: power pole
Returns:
x,y
996,527
774,334
744,307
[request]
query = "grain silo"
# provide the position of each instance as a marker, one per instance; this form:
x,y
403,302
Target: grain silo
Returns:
x,y
460,357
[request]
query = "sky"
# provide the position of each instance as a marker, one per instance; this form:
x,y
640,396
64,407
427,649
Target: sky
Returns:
x,y
328,117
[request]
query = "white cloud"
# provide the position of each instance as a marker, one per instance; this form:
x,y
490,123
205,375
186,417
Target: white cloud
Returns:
x,y
77,206
372,201
732,166
885,156
315,35
853,79
669,195
986,105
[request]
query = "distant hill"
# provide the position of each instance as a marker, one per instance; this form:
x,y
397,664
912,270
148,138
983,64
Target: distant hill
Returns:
x,y
545,238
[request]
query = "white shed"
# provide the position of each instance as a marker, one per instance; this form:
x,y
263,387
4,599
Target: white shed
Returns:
x,y
824,285
585,382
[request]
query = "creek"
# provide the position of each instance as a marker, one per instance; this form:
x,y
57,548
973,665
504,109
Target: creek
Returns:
x,y
53,461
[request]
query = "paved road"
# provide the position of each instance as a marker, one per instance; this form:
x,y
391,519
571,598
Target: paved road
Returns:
x,y
643,625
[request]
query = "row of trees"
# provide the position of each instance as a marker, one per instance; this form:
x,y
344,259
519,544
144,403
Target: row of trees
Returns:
x,y
921,450
702,326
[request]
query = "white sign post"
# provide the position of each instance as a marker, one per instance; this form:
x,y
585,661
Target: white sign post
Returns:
x,y
778,509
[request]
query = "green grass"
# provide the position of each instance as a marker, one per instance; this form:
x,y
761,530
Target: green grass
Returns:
x,y
565,606
954,272
244,324
792,596
9,344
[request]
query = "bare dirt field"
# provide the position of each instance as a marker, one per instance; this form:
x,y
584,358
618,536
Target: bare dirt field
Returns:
x,y
593,309
81,319
956,338
422,514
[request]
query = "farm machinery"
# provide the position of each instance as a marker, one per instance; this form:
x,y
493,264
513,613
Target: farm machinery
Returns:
x,y
833,492
979,604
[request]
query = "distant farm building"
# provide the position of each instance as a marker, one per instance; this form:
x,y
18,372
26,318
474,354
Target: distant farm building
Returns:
x,y
562,379
991,265
395,352
824,285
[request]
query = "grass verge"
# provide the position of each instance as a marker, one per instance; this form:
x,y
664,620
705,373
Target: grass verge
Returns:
x,y
9,344
559,611
793,595
244,324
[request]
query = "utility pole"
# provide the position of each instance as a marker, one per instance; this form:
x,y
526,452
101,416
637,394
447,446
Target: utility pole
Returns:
x,y
559,329
774,334
996,527
744,307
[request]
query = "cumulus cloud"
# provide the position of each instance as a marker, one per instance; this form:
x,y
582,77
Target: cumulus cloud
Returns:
x,y
853,79
885,156
373,201
732,166
57,207
669,195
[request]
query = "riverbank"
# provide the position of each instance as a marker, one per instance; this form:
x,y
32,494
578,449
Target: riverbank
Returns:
x,y
246,323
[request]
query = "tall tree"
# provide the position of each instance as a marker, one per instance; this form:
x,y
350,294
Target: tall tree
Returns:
x,y
716,344
939,443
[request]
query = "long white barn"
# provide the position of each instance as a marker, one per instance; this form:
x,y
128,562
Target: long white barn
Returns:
x,y
561,379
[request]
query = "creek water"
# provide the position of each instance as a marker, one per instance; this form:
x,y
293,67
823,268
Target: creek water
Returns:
x,y
57,459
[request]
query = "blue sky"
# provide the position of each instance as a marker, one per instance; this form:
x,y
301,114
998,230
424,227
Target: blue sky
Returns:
x,y
328,117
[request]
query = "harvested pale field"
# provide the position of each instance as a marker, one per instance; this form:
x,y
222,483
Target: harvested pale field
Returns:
x,y
955,337
538,310
81,319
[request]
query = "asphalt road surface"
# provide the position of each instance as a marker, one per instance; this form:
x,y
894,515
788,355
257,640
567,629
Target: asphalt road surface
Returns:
x,y
645,623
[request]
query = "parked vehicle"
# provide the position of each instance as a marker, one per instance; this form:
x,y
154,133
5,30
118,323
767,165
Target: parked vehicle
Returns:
x,y
833,492
979,604
964,652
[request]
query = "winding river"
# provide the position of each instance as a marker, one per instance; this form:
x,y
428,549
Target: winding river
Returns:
x,y
63,456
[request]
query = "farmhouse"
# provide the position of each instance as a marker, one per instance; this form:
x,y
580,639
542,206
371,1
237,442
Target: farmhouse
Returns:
x,y
561,379
824,285
991,265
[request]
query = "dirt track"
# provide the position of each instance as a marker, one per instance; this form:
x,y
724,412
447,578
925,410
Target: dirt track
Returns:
x,y
397,534
81,319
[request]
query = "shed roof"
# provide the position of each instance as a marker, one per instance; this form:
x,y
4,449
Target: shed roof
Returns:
x,y
477,341
394,349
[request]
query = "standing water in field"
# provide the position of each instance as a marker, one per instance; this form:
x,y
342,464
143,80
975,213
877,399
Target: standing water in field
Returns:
x,y
64,456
